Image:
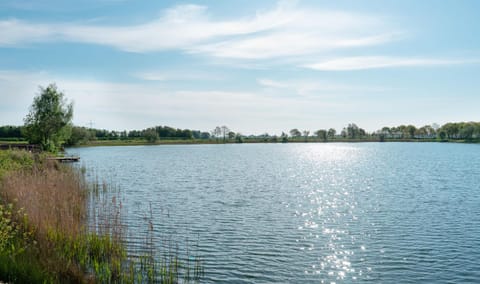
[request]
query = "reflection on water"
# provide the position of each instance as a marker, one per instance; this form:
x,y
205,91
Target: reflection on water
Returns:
x,y
393,212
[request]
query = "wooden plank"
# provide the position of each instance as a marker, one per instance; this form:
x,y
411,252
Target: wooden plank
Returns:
x,y
64,159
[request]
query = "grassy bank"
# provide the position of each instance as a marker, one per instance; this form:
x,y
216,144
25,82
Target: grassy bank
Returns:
x,y
47,234
166,141
142,142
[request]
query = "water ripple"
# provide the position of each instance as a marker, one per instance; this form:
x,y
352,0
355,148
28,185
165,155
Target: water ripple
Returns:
x,y
302,213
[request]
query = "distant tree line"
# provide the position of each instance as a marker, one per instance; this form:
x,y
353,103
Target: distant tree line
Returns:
x,y
222,134
83,134
11,132
451,131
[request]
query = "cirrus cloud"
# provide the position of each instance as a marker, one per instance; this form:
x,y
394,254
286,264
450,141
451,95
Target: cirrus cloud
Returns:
x,y
286,30
375,62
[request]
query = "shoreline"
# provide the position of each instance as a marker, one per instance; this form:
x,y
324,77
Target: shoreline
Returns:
x,y
258,141
108,143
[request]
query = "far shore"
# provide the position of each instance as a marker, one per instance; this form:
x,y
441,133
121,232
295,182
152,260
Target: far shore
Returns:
x,y
269,140
100,143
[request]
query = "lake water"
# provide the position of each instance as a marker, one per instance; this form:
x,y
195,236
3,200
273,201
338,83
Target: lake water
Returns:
x,y
308,213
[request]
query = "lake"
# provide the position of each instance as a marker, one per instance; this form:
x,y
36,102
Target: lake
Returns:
x,y
307,213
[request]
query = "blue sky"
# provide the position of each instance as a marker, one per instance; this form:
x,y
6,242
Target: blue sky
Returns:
x,y
255,66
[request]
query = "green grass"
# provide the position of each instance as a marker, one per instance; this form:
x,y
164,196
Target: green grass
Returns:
x,y
13,141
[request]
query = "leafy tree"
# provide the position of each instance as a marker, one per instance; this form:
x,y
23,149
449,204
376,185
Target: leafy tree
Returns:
x,y
442,134
9,131
467,130
331,133
352,131
238,137
151,135
295,133
451,129
322,134
79,135
204,135
386,130
411,131
49,121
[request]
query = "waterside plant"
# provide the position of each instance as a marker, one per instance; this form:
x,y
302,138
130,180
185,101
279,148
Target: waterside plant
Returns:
x,y
55,227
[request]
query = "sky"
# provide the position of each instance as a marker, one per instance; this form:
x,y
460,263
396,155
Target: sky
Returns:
x,y
254,66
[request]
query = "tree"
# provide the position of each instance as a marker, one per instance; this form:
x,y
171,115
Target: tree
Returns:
x,y
331,133
305,134
442,134
238,137
322,134
411,131
295,133
352,131
79,135
49,121
467,131
151,135
224,131
217,132
204,135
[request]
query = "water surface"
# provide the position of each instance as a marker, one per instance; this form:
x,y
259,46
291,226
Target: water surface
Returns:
x,y
302,213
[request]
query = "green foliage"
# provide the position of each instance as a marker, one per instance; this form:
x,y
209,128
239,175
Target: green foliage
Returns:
x,y
410,129
16,245
14,161
151,135
442,134
9,131
79,135
295,133
49,120
14,235
352,131
461,130
238,138
331,133
322,134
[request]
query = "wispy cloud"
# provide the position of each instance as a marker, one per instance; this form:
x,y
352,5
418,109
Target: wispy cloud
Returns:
x,y
177,75
317,87
375,62
284,30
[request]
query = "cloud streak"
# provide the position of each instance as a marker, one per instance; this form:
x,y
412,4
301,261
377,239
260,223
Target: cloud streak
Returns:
x,y
310,88
377,62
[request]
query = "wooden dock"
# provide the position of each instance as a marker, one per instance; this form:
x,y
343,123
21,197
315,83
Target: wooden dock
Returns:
x,y
64,159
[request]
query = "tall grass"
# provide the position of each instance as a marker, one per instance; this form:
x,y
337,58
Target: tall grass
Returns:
x,y
55,227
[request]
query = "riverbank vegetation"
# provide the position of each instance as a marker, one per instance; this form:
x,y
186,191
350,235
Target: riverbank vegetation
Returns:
x,y
55,227
82,136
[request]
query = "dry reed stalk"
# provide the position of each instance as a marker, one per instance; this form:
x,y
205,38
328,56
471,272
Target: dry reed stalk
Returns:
x,y
53,199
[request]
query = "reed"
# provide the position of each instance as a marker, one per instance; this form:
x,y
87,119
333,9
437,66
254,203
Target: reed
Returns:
x,y
55,227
